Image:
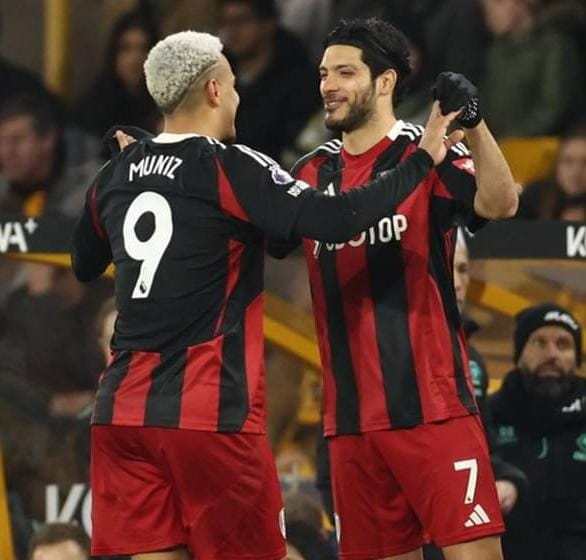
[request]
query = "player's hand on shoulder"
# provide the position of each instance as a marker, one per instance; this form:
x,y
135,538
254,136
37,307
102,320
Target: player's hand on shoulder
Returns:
x,y
124,140
120,137
456,93
435,140
507,494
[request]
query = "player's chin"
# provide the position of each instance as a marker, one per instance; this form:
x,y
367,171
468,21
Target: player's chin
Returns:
x,y
333,123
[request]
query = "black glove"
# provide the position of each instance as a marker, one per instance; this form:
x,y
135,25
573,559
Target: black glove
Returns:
x,y
455,91
109,140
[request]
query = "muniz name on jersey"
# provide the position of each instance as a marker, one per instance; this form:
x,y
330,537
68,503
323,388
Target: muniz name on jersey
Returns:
x,y
155,165
388,229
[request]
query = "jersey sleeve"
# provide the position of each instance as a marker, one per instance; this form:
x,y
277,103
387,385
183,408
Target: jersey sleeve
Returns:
x,y
282,206
456,182
278,247
90,251
254,188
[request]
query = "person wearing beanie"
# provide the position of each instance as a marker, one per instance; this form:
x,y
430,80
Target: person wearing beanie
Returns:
x,y
539,416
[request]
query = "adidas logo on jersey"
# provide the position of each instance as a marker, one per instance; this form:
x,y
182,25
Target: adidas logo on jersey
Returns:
x,y
477,517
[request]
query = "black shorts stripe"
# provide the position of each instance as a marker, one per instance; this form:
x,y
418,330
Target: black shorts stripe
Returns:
x,y
163,404
115,374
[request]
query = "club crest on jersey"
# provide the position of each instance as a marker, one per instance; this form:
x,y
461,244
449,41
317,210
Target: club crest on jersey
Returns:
x,y
280,176
465,164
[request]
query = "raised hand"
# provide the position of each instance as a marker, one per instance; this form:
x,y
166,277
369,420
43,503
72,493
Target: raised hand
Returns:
x,y
435,140
455,92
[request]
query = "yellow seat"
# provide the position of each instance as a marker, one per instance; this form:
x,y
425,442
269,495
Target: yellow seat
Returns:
x,y
530,158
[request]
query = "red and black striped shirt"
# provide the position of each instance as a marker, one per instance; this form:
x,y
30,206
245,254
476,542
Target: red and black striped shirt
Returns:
x,y
183,218
392,346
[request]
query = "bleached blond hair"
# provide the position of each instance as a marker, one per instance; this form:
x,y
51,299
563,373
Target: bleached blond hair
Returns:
x,y
176,62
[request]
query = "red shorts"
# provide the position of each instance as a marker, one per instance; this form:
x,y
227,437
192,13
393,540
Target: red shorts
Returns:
x,y
394,489
158,488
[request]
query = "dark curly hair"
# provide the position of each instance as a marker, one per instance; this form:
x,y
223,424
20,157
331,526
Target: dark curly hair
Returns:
x,y
383,45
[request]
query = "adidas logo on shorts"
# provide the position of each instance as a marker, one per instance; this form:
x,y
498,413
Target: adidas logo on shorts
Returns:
x,y
477,517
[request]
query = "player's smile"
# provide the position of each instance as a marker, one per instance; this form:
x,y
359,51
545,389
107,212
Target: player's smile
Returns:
x,y
332,104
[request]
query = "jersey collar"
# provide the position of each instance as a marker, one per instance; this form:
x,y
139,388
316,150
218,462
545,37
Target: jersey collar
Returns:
x,y
373,152
395,130
170,137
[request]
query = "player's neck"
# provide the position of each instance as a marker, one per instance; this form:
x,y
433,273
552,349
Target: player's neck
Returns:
x,y
193,123
372,132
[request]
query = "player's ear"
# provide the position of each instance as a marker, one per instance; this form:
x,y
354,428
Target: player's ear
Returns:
x,y
387,81
212,90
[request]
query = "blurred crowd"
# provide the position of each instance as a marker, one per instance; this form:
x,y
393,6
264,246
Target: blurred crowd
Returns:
x,y
528,59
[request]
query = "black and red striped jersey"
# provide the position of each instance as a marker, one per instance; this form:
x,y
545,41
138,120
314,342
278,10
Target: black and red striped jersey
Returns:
x,y
389,331
183,218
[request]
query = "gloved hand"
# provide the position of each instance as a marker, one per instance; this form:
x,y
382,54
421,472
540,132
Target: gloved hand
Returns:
x,y
455,91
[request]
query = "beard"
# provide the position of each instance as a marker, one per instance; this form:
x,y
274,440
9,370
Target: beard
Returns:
x,y
360,112
548,387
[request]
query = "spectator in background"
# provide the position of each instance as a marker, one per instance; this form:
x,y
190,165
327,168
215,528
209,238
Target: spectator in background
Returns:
x,y
533,74
415,98
293,553
49,327
350,9
556,197
310,21
24,417
460,20
16,81
539,414
302,507
569,16
308,542
36,175
59,541
275,79
119,95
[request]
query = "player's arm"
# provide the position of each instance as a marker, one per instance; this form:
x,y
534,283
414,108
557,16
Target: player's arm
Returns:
x,y
279,248
273,200
341,217
497,194
90,250
282,206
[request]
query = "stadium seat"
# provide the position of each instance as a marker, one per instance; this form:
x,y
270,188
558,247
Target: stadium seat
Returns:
x,y
530,158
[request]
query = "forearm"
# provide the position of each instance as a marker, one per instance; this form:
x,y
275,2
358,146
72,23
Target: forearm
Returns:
x,y
339,218
498,194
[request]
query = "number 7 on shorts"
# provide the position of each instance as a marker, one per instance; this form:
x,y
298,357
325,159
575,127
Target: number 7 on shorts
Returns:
x,y
472,466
